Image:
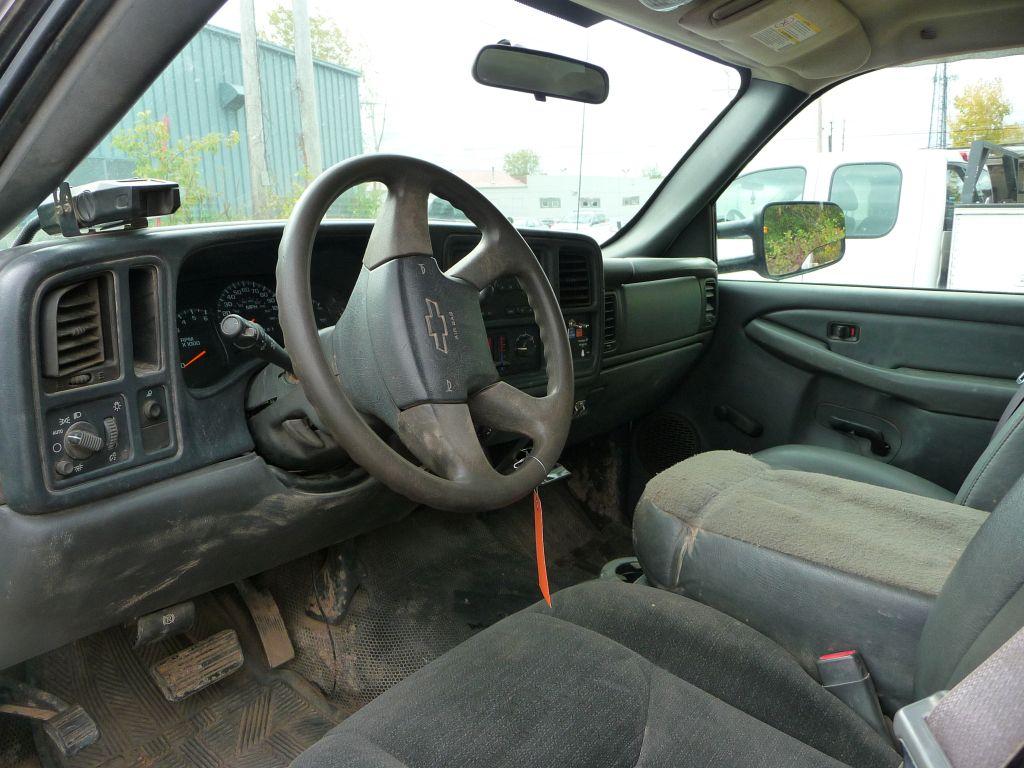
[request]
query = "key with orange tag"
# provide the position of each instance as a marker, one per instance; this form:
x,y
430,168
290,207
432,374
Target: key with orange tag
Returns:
x,y
538,528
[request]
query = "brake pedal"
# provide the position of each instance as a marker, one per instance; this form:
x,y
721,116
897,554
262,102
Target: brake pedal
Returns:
x,y
199,666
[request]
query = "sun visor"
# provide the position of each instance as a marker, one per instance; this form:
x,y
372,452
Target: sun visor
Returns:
x,y
816,39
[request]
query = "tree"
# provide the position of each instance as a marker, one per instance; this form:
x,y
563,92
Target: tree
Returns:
x,y
521,163
149,144
981,112
328,42
651,172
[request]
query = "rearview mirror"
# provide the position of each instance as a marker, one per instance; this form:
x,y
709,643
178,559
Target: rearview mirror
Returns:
x,y
788,239
542,74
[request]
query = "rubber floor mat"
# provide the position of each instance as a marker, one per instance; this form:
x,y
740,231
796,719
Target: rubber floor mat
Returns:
x,y
431,581
255,718
16,747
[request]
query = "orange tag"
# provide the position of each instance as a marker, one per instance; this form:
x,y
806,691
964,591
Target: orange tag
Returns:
x,y
542,566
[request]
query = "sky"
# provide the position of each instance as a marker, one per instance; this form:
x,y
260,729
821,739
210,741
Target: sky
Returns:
x,y
416,60
416,64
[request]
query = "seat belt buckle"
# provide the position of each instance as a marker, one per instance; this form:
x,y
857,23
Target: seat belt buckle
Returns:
x,y
845,675
1020,379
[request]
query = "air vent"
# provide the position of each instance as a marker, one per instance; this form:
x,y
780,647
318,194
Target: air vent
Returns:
x,y
573,278
710,302
73,329
610,322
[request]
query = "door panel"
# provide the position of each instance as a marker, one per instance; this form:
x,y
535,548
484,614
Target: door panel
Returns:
x,y
926,377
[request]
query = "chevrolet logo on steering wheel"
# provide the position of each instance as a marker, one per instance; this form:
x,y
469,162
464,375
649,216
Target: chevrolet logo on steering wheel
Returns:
x,y
437,325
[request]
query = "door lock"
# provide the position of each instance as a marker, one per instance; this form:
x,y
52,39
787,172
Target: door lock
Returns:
x,y
843,332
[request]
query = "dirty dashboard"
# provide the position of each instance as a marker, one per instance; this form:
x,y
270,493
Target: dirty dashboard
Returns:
x,y
130,475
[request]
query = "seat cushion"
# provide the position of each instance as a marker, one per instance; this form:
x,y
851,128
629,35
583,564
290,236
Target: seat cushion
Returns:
x,y
612,675
817,563
851,466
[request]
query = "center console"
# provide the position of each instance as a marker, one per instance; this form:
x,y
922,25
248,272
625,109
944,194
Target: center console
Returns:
x,y
573,266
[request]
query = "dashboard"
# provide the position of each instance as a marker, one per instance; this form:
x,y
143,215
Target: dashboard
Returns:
x,y
130,476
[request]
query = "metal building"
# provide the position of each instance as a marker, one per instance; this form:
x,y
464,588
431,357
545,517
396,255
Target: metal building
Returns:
x,y
201,93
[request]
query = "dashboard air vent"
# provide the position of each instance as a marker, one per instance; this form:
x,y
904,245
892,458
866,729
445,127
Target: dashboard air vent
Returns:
x,y
610,322
72,328
573,278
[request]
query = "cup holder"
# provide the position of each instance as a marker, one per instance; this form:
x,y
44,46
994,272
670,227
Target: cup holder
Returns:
x,y
625,569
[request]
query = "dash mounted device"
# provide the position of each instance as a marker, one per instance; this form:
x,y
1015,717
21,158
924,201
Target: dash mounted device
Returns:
x,y
103,204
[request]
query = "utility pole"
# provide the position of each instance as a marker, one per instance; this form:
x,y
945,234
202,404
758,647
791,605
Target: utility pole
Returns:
x,y
305,85
259,176
820,126
938,133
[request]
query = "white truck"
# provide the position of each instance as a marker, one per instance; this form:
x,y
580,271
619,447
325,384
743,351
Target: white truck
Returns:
x,y
922,219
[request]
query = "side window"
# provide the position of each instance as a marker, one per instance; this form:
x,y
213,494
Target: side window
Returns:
x,y
954,189
983,189
869,194
892,149
751,191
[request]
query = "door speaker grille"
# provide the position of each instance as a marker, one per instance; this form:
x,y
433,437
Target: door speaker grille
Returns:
x,y
664,439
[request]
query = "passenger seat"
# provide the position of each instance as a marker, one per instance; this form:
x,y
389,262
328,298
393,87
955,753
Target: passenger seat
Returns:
x,y
992,475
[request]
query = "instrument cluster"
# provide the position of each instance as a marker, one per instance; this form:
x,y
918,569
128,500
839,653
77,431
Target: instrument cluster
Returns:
x,y
202,354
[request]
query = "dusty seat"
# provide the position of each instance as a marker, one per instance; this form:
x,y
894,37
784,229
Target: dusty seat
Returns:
x,y
613,675
623,675
851,466
815,562
992,475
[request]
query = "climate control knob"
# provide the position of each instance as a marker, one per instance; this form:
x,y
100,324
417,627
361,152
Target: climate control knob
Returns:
x,y
82,440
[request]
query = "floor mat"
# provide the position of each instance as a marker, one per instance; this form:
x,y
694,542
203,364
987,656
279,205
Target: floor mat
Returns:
x,y
430,582
256,718
16,747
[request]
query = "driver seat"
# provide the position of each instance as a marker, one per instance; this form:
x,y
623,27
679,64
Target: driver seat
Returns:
x,y
626,675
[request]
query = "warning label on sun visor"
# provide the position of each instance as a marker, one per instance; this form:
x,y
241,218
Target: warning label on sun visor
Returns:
x,y
791,30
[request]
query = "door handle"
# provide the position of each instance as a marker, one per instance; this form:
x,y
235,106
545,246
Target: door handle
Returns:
x,y
879,445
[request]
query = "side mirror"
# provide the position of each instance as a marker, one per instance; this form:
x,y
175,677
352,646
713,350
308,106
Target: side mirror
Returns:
x,y
542,74
789,239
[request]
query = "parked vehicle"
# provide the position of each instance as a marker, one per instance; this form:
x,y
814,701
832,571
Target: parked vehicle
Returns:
x,y
901,210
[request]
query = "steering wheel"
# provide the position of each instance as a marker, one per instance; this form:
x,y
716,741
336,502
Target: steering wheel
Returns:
x,y
410,348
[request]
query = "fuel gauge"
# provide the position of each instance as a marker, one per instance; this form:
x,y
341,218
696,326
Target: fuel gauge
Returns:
x,y
200,352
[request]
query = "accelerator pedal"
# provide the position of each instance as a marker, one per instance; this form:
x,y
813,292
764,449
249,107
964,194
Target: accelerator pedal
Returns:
x,y
199,666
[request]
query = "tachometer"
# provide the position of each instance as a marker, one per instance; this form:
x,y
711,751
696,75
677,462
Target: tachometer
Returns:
x,y
200,352
253,301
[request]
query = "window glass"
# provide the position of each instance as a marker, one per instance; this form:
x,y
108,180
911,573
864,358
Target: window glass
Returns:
x,y
869,194
954,190
752,191
405,87
892,148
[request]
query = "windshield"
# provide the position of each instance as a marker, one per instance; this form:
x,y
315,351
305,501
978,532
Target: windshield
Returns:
x,y
395,77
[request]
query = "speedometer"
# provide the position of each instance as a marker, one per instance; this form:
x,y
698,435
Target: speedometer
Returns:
x,y
253,301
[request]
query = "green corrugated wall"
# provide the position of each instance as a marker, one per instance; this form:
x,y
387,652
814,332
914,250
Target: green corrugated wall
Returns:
x,y
189,93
